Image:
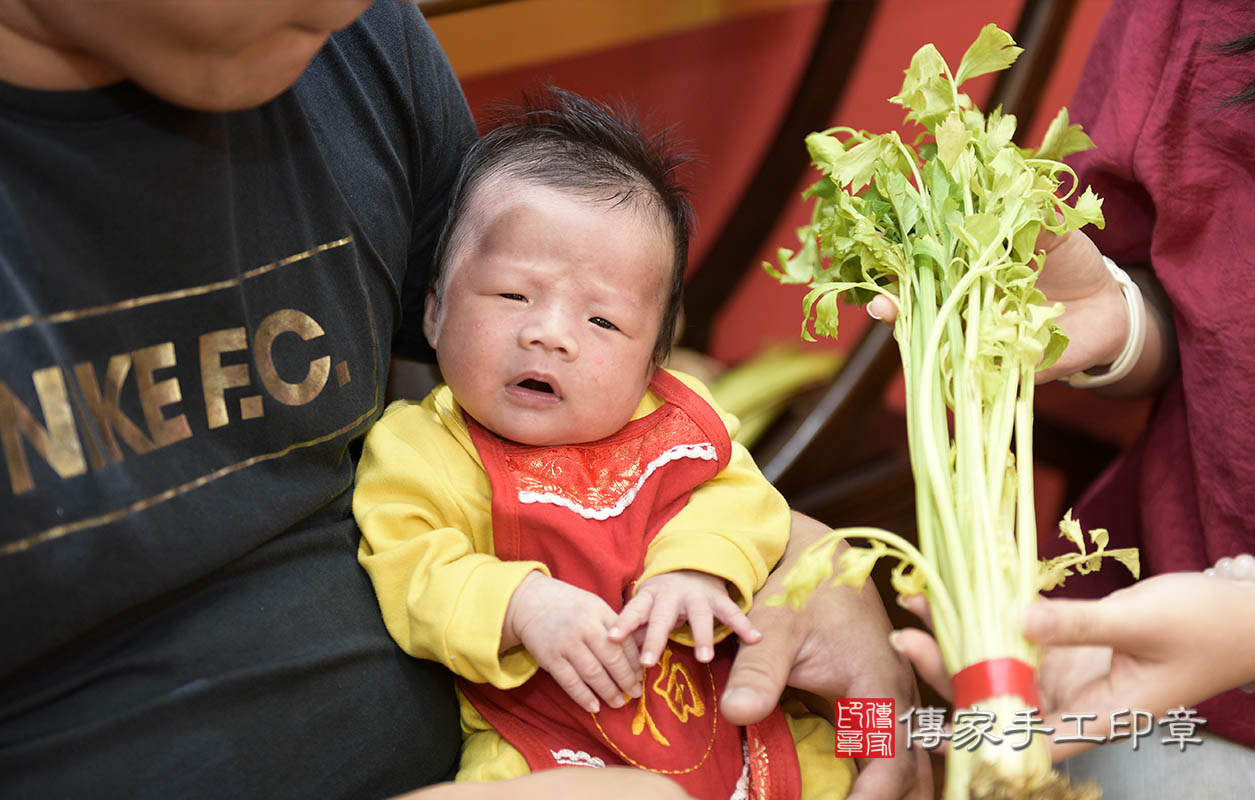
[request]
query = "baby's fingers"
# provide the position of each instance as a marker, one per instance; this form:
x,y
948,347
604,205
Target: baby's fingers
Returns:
x,y
662,621
594,675
730,614
702,624
631,651
569,679
631,617
623,665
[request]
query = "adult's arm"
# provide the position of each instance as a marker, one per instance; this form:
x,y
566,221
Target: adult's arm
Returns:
x,y
569,782
837,646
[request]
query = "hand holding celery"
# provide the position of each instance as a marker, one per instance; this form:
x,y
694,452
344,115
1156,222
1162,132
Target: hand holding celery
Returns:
x,y
946,228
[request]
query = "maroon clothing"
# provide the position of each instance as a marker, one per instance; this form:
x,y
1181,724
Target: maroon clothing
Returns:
x,y
1176,169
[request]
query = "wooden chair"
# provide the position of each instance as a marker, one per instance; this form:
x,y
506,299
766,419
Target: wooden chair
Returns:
x,y
435,8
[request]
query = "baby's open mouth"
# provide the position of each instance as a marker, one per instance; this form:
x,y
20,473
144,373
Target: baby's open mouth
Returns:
x,y
535,385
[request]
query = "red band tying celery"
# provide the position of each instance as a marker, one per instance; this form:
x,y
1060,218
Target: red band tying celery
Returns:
x,y
998,676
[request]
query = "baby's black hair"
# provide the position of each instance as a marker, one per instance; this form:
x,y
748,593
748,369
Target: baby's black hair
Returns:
x,y
564,141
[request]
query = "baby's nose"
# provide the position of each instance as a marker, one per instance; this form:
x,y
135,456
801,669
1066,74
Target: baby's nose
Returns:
x,y
550,333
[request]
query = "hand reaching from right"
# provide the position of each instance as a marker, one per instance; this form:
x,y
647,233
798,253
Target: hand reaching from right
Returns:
x,y
564,628
1168,640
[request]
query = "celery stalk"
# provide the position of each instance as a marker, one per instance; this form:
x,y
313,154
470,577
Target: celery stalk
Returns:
x,y
947,228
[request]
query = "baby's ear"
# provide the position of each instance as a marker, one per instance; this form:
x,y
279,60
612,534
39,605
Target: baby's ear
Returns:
x,y
431,315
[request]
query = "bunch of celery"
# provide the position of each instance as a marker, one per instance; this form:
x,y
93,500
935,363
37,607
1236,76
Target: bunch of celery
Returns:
x,y
947,227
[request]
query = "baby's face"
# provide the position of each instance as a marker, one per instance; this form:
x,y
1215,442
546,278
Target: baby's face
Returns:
x,y
550,311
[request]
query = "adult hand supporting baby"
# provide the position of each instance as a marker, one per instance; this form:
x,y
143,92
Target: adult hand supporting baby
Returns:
x,y
837,646
569,782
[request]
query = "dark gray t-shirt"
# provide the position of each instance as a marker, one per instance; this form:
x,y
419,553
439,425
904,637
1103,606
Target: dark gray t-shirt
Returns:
x,y
197,313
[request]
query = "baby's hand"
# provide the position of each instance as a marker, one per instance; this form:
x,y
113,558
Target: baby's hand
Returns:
x,y
664,600
564,628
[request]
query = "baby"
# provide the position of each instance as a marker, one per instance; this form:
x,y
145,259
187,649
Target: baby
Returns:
x,y
561,502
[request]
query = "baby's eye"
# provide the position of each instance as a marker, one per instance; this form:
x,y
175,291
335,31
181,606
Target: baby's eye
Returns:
x,y
513,296
602,322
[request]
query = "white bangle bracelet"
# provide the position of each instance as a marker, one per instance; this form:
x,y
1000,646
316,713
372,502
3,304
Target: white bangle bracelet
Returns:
x,y
1133,345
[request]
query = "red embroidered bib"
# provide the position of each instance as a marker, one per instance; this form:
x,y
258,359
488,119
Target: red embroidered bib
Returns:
x,y
589,511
